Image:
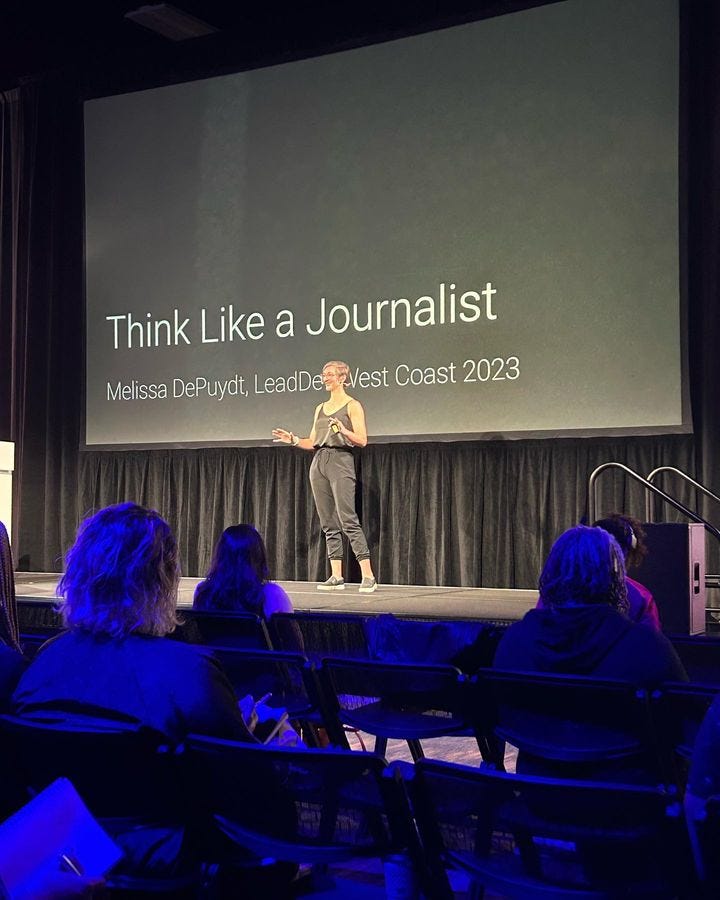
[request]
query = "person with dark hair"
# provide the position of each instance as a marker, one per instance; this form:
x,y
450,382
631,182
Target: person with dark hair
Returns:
x,y
115,663
12,664
238,579
119,595
630,535
582,626
338,426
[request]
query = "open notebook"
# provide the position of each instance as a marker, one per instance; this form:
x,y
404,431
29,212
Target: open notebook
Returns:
x,y
54,832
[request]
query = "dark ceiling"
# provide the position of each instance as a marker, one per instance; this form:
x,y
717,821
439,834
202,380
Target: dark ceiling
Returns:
x,y
94,42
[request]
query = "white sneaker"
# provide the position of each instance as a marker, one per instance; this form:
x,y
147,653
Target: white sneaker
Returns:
x,y
368,585
332,584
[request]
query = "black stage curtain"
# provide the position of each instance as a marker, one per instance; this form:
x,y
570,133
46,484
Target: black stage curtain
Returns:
x,y
479,513
463,514
41,313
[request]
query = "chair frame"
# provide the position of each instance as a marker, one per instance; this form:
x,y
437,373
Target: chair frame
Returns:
x,y
123,772
224,774
238,630
399,710
678,710
533,817
285,627
569,719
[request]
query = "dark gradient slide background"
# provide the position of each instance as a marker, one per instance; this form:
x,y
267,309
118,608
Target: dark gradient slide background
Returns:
x,y
528,163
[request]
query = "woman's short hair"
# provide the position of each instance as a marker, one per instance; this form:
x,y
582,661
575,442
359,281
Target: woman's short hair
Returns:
x,y
585,566
237,573
121,574
341,368
629,534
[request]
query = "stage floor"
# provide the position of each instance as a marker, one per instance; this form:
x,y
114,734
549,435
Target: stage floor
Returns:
x,y
402,600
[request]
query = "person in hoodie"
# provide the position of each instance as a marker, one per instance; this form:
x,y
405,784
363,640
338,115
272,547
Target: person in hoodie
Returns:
x,y
629,534
582,626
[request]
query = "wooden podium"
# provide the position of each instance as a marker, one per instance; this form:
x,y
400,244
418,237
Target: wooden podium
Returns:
x,y
7,465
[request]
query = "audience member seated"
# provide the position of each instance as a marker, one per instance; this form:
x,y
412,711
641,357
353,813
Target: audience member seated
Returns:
x,y
115,663
119,590
582,627
238,580
629,534
12,664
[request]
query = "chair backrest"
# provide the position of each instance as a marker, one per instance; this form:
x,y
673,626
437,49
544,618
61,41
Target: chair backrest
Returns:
x,y
700,657
415,686
320,634
592,723
531,837
223,629
119,770
297,805
38,621
130,780
39,616
407,701
678,710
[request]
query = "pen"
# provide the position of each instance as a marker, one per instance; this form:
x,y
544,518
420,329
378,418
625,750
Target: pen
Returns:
x,y
71,864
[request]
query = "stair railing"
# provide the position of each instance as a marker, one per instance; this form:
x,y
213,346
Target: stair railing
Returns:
x,y
710,580
685,476
650,488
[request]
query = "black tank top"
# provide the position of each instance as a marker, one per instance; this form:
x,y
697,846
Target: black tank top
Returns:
x,y
325,436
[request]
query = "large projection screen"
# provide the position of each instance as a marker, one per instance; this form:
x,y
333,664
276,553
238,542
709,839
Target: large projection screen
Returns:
x,y
482,221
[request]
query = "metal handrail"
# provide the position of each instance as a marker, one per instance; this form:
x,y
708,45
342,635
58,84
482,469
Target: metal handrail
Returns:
x,y
649,486
695,484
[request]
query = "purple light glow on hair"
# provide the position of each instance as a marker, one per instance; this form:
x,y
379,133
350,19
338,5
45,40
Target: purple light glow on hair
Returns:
x,y
121,574
584,566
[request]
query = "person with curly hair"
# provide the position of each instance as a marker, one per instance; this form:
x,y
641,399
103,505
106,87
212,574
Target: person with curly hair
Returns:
x,y
582,628
630,535
114,662
581,624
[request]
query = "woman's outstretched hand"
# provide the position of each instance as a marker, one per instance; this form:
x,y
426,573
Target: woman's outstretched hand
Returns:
x,y
281,436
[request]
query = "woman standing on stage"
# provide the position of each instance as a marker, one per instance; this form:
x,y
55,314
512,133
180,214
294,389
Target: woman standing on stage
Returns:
x,y
338,426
